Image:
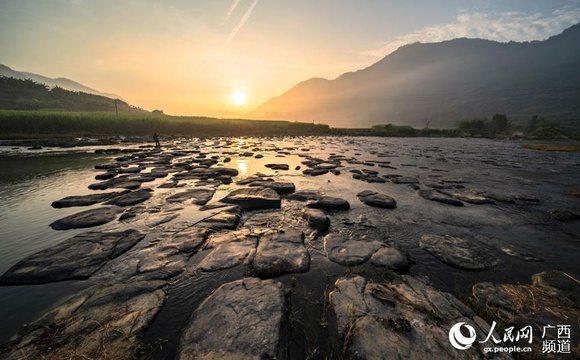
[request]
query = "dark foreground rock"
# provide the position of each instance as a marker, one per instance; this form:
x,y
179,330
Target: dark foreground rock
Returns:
x,y
460,253
85,219
85,200
240,320
76,258
317,219
401,319
105,321
280,253
372,198
228,250
254,198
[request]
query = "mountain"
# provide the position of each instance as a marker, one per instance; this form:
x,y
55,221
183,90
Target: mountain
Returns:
x,y
64,83
442,83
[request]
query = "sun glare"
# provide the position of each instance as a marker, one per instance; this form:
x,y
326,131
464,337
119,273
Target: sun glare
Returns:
x,y
238,98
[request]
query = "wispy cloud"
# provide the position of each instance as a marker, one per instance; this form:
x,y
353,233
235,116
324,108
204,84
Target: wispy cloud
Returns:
x,y
241,23
505,26
230,11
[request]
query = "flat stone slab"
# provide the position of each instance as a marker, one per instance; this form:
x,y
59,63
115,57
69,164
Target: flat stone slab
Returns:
x,y
437,196
328,203
305,195
199,196
372,198
254,198
105,319
402,318
85,200
131,198
73,259
239,320
459,253
344,251
390,258
281,253
232,251
282,188
85,219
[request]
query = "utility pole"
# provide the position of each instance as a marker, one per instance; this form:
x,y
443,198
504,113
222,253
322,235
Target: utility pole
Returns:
x,y
116,110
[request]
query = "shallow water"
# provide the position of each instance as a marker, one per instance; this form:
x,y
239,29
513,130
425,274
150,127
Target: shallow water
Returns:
x,y
31,181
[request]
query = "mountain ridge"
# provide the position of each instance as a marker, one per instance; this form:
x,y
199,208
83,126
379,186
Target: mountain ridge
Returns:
x,y
443,83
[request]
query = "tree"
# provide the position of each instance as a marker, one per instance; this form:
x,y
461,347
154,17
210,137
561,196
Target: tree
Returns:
x,y
499,124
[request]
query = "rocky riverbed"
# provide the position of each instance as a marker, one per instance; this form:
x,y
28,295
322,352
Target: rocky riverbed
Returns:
x,y
298,248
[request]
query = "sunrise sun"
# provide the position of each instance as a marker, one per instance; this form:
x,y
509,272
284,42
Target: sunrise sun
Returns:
x,y
238,98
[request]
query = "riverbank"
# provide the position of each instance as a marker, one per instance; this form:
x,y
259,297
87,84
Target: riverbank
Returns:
x,y
335,247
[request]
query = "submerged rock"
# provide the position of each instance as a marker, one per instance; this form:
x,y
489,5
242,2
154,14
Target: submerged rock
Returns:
x,y
239,320
563,215
340,249
375,199
437,196
199,196
460,253
76,258
281,253
254,198
105,320
85,219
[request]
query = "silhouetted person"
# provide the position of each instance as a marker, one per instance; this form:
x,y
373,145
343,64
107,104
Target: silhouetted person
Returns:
x,y
157,143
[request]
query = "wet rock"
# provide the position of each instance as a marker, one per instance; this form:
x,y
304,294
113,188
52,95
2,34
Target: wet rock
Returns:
x,y
328,203
282,188
317,219
224,220
437,196
280,253
563,215
199,196
460,253
403,318
106,176
240,320
375,199
73,259
344,251
85,200
103,320
131,198
107,166
390,258
254,198
131,212
232,251
404,180
305,195
278,166
315,172
472,198
85,219
497,197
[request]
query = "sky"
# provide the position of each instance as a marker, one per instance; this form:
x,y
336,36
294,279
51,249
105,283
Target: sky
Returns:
x,y
224,58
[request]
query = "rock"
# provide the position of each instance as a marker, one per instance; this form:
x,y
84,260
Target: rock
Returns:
x,y
254,198
224,220
390,258
85,200
131,212
74,259
460,253
341,250
375,199
559,283
315,172
437,196
199,196
404,180
471,198
107,166
281,253
230,253
317,219
328,203
402,318
103,320
239,320
87,218
282,188
131,198
563,215
278,166
305,195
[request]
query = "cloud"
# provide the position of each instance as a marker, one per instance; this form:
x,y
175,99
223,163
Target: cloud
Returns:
x,y
241,23
504,26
